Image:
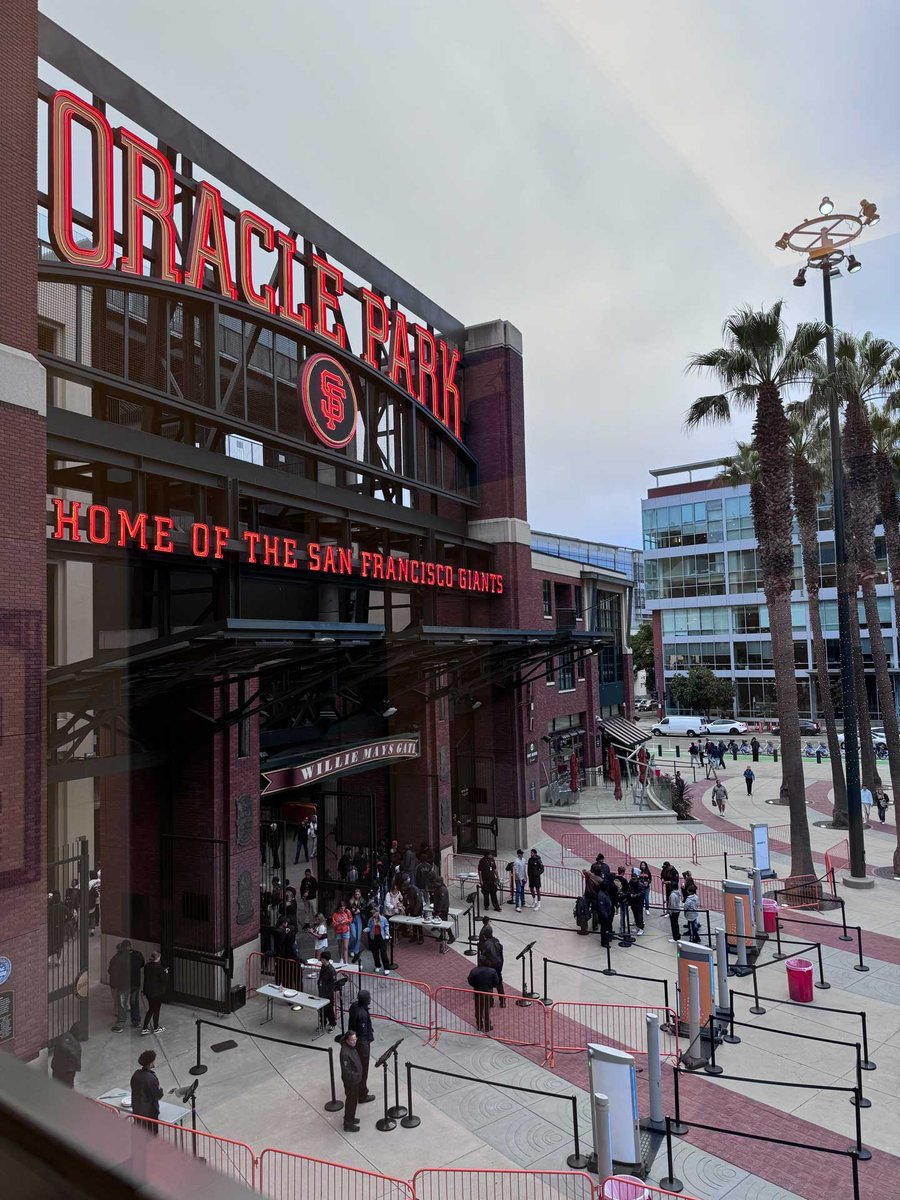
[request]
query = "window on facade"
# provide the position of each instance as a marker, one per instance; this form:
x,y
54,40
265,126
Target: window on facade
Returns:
x,y
551,674
691,575
681,656
750,618
827,568
567,672
738,519
579,603
745,571
548,598
801,655
753,656
580,663
683,622
610,665
682,525
825,512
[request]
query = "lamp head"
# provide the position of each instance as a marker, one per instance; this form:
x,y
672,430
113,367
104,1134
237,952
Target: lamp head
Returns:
x,y
800,278
853,265
869,212
826,206
782,243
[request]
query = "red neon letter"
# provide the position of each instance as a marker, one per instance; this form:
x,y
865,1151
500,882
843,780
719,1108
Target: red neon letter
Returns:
x,y
70,521
223,533
252,225
132,529
399,360
164,527
325,273
200,540
376,323
64,109
451,391
252,540
138,205
426,367
287,249
208,243
98,533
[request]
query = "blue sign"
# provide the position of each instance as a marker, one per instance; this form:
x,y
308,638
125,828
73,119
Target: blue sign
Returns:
x,y
5,969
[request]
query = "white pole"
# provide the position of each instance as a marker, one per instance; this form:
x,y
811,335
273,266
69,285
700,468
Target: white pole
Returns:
x,y
602,1135
654,1072
756,877
740,933
721,971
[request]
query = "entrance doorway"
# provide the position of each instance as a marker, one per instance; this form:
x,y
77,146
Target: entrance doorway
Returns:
x,y
474,804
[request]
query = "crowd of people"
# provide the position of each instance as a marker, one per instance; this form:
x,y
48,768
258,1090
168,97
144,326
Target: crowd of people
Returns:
x,y
130,977
626,894
523,872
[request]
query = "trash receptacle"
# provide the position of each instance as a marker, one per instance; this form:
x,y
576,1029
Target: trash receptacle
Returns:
x,y
800,979
770,915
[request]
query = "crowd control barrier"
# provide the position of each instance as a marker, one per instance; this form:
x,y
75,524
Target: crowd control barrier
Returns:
x,y
837,858
455,1010
677,846
286,1176
458,1184
404,1001
574,1024
626,1187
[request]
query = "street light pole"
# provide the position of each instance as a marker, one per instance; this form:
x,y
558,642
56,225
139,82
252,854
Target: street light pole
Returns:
x,y
845,636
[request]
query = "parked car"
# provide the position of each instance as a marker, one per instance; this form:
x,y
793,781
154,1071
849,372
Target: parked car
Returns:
x,y
879,741
806,727
726,725
675,726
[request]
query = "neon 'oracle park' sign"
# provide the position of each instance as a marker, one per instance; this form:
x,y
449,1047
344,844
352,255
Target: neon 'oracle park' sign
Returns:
x,y
306,290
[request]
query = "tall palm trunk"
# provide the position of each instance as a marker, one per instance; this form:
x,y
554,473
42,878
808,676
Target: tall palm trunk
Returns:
x,y
806,490
862,492
867,760
772,517
890,518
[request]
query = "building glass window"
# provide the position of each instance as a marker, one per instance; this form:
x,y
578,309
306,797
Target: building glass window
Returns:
x,y
691,575
567,671
683,622
548,598
738,519
579,603
682,525
750,618
753,656
681,656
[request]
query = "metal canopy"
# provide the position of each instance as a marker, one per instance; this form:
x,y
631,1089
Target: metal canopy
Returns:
x,y
623,732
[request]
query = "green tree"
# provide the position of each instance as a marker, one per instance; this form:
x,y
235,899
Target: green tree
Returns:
x,y
701,691
642,659
757,360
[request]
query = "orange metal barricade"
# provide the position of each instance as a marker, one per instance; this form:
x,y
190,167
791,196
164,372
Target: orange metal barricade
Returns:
x,y
224,1155
454,1011
282,1175
458,1184
837,858
714,845
661,847
584,845
574,1024
404,1001
796,891
266,968
626,1187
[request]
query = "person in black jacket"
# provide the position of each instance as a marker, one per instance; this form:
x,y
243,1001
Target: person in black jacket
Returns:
x,y
535,869
146,1092
125,968
351,1078
490,954
482,981
156,980
328,984
489,876
359,1021
66,1060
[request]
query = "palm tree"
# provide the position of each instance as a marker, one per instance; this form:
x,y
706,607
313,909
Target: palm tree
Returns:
x,y
757,360
863,372
886,446
809,458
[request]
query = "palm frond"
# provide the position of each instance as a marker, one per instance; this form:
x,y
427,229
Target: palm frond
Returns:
x,y
708,410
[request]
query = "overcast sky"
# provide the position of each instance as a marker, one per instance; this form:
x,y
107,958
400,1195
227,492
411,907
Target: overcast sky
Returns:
x,y
608,176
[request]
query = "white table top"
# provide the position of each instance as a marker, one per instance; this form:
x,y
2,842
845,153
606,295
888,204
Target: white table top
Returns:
x,y
457,912
173,1113
273,992
421,921
466,875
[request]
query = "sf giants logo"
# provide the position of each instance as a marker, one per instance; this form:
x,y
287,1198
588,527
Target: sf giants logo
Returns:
x,y
334,393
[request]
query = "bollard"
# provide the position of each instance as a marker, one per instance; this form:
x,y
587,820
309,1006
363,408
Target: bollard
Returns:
x,y
410,1121
654,1073
775,755
759,923
820,982
711,1067
692,1057
198,1068
677,751
721,972
740,934
609,968
859,966
734,754
670,1182
602,1136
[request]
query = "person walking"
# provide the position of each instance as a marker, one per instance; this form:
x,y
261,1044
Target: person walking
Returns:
x,y
378,933
646,876
723,750
754,748
302,841
881,803
156,981
535,871
146,1092
326,986
669,877
719,796
351,1078
309,891
125,968
693,751
520,875
489,877
865,798
748,779
359,1021
312,839
483,980
490,954
673,905
66,1061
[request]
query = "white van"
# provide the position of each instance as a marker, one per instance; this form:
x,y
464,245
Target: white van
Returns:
x,y
675,726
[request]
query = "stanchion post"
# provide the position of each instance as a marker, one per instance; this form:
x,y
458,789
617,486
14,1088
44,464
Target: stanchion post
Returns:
x,y
410,1121
385,1123
867,1064
333,1105
545,999
861,1152
843,936
198,1068
397,1110
820,982
864,1102
757,1008
725,856
859,966
670,1182
609,969
576,1161
711,1068
472,950
778,951
854,1165
731,1037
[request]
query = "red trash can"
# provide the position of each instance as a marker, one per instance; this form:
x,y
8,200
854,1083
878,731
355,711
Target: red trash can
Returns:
x,y
800,979
770,915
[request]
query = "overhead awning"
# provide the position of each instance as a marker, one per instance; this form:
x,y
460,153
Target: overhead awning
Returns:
x,y
623,733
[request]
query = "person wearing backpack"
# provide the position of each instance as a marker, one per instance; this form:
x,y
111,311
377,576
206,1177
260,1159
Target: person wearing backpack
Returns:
x,y
535,871
748,779
692,915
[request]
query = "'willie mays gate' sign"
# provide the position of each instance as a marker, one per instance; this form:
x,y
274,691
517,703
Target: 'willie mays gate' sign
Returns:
x,y
198,239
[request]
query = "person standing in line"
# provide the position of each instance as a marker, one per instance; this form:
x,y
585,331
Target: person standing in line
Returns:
x,y
701,753
748,779
378,933
520,875
312,837
156,979
619,895
635,896
489,876
535,871
66,1061
326,986
320,935
490,954
646,876
351,1078
719,796
692,914
125,968
146,1092
669,877
94,901
302,841
359,1021
865,797
309,891
341,920
483,981
673,904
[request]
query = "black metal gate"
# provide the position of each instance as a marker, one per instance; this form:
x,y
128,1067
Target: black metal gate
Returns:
x,y
196,920
67,941
473,792
273,850
346,824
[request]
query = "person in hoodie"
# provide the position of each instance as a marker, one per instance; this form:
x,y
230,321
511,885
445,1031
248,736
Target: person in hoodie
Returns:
x,y
66,1061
